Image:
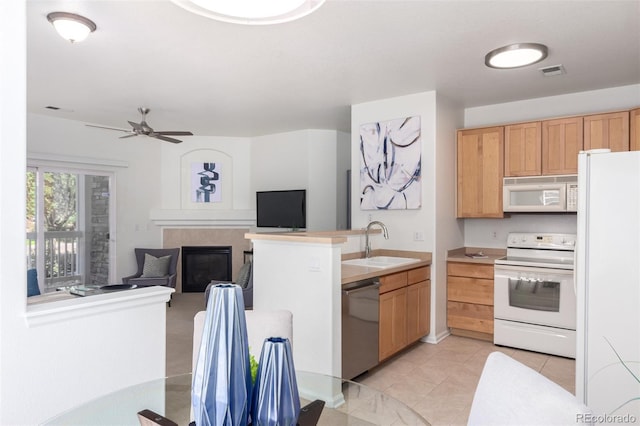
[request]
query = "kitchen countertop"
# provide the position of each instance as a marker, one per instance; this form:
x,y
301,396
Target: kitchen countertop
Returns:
x,y
461,255
352,273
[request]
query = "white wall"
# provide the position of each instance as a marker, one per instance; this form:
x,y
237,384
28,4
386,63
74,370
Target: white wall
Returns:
x,y
304,278
448,230
137,185
402,224
479,232
342,182
435,220
36,363
235,176
581,103
305,159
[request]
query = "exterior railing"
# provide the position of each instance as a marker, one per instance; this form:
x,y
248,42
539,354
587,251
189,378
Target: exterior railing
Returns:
x,y
61,265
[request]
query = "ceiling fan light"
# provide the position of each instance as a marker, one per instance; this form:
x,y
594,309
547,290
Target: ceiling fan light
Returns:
x,y
516,55
70,26
251,12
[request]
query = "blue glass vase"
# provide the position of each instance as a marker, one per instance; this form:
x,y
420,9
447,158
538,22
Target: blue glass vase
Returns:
x,y
275,393
221,388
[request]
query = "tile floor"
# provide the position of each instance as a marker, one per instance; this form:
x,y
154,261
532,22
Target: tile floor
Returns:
x,y
437,381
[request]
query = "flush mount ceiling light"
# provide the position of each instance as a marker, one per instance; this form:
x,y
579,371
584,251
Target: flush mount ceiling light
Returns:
x,y
516,55
251,12
70,26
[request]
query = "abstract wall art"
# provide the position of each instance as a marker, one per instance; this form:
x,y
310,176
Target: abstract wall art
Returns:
x,y
390,165
205,182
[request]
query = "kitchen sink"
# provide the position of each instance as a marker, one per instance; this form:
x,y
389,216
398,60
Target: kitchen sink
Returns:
x,y
380,261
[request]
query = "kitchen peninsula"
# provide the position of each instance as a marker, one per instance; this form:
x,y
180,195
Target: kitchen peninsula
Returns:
x,y
303,273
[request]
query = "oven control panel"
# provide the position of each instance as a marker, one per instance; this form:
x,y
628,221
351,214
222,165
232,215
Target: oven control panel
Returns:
x,y
541,241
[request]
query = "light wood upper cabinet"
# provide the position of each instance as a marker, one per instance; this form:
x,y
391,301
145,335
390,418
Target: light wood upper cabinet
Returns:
x,y
523,149
480,158
562,140
634,126
607,131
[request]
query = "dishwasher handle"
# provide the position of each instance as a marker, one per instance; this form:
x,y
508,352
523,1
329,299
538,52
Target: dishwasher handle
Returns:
x,y
361,287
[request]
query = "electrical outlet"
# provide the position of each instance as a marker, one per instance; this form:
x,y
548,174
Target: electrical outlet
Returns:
x,y
418,236
494,235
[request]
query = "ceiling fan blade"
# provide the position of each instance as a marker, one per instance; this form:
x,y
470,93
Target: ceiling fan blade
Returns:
x,y
136,126
175,133
108,128
128,136
165,138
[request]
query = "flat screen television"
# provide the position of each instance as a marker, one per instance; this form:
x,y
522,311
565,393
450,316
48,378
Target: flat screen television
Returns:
x,y
281,209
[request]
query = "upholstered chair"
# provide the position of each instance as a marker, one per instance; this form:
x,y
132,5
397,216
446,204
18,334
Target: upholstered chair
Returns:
x,y
245,281
155,267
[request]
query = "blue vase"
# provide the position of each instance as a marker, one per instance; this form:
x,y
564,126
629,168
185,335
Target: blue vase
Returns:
x,y
221,388
275,393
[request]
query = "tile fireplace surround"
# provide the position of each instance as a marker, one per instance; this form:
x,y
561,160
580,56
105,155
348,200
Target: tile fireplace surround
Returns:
x,y
234,237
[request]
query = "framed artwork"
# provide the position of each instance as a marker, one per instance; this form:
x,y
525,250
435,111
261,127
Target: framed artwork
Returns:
x,y
391,165
206,182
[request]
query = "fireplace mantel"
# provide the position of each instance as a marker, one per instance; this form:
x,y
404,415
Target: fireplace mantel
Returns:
x,y
204,218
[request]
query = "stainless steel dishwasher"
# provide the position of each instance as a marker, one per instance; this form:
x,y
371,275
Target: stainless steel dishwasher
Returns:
x,y
360,321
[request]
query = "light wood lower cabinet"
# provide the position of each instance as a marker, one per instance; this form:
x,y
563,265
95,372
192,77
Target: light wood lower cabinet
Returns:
x,y
418,303
393,322
470,299
404,309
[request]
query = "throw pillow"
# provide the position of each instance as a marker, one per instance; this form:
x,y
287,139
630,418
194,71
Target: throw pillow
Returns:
x,y
155,267
32,283
243,275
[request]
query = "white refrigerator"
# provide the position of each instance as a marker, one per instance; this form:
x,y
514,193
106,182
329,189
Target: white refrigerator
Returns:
x,y
608,285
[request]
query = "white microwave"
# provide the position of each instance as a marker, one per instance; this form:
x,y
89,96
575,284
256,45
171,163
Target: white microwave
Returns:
x,y
540,194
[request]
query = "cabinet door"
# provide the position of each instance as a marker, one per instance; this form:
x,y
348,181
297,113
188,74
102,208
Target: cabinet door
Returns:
x,y
634,132
393,322
607,131
561,142
523,149
418,310
480,171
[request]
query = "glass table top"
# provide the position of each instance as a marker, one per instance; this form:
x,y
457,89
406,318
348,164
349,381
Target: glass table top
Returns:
x,y
346,403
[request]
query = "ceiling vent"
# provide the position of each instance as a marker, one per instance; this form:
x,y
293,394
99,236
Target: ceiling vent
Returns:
x,y
553,70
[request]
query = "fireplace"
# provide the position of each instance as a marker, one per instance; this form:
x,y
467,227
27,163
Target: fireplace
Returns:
x,y
201,264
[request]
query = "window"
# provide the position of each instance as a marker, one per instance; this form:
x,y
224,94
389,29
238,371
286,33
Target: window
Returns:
x,y
68,217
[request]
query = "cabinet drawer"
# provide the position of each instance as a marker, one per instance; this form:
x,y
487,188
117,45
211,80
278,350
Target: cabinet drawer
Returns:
x,y
468,316
418,274
473,270
470,290
393,282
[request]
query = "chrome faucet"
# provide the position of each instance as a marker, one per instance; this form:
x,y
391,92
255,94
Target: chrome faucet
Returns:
x,y
367,245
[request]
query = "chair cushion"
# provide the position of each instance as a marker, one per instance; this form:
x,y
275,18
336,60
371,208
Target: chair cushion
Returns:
x,y
155,267
32,283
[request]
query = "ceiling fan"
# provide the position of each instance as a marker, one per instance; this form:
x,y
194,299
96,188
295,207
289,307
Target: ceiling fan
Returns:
x,y
143,128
